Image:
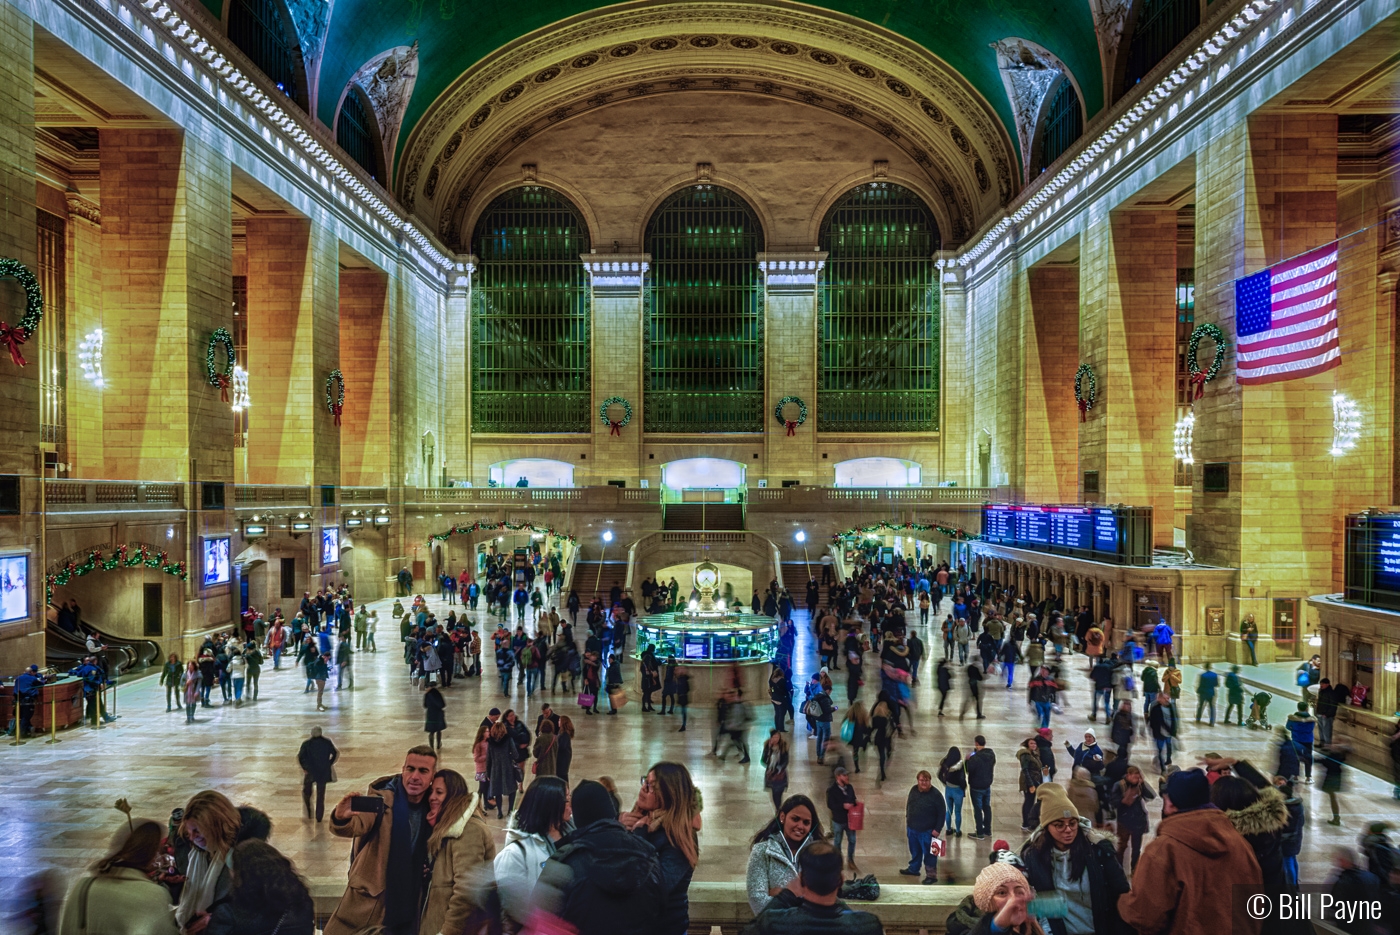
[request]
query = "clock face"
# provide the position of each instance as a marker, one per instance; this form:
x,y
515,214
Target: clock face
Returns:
x,y
706,576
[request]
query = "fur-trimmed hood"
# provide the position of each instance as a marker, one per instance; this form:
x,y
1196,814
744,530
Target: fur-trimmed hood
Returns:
x,y
1267,815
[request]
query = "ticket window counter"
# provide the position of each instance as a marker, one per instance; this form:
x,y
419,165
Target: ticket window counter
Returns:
x,y
700,646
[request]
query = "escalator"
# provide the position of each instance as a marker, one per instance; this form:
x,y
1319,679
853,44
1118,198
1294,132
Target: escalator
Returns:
x,y
64,650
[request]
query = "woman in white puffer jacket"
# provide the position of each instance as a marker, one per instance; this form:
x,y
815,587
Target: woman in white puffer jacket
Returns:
x,y
531,837
773,859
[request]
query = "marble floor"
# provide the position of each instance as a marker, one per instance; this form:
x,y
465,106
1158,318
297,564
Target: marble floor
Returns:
x,y
56,801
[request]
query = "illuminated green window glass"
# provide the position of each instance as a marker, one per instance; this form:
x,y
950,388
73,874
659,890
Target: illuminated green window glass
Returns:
x,y
879,314
530,362
704,337
355,132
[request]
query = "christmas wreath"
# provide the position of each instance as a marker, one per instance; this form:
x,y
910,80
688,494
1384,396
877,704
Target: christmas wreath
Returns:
x,y
1199,377
1085,400
211,373
14,336
789,424
615,426
336,405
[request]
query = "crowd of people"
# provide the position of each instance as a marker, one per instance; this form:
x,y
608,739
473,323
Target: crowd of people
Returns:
x,y
425,858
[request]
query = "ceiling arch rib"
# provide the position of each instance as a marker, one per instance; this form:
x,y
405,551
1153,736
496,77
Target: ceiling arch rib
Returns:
x,y
1028,72
387,80
876,79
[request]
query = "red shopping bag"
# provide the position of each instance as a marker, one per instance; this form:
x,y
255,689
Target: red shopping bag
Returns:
x,y
855,817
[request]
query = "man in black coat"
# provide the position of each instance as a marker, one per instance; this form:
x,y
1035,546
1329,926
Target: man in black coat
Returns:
x,y
316,758
814,908
601,879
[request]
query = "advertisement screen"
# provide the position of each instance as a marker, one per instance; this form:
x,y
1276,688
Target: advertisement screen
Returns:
x,y
1385,552
330,545
216,569
14,587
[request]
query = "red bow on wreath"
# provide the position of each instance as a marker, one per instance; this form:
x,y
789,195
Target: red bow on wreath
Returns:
x,y
614,428
1083,408
1198,380
791,427
223,383
13,338
335,411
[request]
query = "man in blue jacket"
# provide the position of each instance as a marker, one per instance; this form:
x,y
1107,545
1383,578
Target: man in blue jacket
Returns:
x,y
27,687
93,681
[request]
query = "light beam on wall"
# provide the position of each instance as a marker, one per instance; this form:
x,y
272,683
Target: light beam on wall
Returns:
x,y
1346,424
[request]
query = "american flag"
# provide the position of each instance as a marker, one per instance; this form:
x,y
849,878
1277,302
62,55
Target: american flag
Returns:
x,y
1286,319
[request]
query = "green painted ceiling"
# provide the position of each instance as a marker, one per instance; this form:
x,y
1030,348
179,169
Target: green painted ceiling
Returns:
x,y
452,35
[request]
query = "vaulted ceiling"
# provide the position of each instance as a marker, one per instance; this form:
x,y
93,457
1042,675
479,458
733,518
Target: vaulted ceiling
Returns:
x,y
457,84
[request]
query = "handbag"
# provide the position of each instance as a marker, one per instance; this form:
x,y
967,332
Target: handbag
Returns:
x,y
867,889
848,731
333,777
855,817
937,847
587,700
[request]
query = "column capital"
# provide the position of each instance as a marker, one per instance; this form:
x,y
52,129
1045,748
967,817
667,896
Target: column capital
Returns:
x,y
460,276
617,274
792,273
950,272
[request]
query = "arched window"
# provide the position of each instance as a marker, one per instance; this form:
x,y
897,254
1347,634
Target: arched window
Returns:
x,y
879,314
1159,27
529,342
1063,124
357,133
262,29
704,334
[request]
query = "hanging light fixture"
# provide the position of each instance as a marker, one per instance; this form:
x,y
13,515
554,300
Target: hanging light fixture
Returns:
x,y
1394,664
1346,424
241,399
1315,639
1182,437
90,357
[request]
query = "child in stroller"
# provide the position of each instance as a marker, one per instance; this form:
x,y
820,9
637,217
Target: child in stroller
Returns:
x,y
1258,719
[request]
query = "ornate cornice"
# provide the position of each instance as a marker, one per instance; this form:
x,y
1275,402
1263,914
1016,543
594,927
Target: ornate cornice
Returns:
x,y
80,207
618,274
792,273
885,80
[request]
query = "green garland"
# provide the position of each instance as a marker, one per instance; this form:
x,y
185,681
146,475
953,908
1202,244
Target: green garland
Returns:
x,y
13,336
1200,378
124,558
211,373
513,527
615,428
951,532
337,406
787,423
1086,402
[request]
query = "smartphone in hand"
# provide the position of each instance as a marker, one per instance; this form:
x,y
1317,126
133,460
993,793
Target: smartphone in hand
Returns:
x,y
366,803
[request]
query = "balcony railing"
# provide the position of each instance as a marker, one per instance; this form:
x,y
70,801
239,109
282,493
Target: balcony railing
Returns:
x,y
251,495
80,495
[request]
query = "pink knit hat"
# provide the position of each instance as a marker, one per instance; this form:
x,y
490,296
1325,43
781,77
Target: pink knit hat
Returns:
x,y
992,876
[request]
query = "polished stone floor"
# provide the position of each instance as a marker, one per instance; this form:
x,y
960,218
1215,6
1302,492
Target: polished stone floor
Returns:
x,y
56,801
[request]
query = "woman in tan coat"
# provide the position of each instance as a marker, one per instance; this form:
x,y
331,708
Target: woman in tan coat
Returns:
x,y
459,847
547,750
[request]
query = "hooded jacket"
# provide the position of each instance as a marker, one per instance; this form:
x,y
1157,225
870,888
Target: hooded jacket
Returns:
x,y
457,854
1262,824
1031,775
518,867
1193,863
604,881
1082,793
771,866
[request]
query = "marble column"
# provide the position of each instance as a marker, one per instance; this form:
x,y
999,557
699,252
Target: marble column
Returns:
x,y
790,323
619,322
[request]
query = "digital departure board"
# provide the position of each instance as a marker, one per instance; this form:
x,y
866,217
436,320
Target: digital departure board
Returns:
x,y
1372,559
1100,533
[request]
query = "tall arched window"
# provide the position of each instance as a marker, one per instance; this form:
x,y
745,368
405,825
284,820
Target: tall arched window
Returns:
x,y
1064,123
879,314
1159,27
264,31
357,133
704,336
529,342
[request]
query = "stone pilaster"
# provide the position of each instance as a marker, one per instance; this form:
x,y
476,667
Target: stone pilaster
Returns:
x,y
1266,190
956,447
293,314
364,360
1050,296
167,268
1127,333
85,304
790,364
458,353
618,283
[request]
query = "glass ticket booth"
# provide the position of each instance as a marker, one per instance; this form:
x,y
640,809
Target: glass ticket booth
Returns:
x,y
691,644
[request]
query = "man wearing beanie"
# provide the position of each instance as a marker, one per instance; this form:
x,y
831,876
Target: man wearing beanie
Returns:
x,y
601,879
1189,870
